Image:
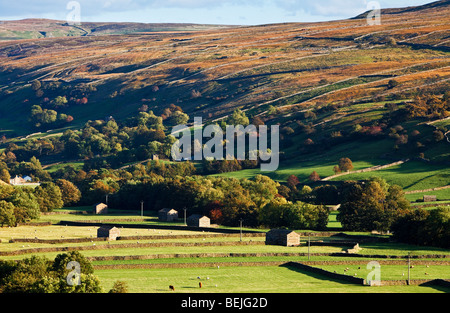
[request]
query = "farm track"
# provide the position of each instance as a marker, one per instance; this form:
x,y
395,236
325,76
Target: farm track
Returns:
x,y
370,169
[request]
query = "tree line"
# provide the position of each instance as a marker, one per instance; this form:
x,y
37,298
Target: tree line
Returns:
x,y
42,275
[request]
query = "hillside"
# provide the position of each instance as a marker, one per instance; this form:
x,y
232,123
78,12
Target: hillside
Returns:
x,y
344,85
44,28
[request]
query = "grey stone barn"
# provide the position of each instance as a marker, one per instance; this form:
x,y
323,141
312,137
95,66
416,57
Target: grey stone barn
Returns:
x,y
109,232
100,208
197,220
167,215
282,237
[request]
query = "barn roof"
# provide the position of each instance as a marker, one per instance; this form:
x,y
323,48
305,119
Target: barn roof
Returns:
x,y
166,210
197,216
281,231
107,227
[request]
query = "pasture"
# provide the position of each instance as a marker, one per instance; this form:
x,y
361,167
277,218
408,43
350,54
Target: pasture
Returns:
x,y
149,260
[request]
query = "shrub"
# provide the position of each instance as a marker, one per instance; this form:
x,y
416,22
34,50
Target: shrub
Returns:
x,y
119,287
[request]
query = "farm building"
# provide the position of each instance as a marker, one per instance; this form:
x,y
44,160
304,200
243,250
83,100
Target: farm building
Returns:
x,y
23,181
197,220
167,215
429,198
282,237
109,232
100,208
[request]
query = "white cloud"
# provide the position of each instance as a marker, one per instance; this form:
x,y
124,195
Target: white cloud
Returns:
x,y
229,10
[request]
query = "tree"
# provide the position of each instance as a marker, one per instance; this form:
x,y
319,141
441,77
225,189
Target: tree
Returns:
x,y
437,228
4,175
261,190
60,101
49,197
70,194
336,170
392,83
271,215
421,227
373,205
60,263
438,135
41,275
314,176
299,215
178,118
25,203
119,287
345,164
292,181
36,85
302,215
7,214
238,117
238,204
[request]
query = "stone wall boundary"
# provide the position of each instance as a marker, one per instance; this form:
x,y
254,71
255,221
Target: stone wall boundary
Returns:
x,y
123,238
129,245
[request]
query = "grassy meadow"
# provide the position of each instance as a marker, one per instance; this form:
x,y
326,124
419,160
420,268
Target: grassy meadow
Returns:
x,y
144,275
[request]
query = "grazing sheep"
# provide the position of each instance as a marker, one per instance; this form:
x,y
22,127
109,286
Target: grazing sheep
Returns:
x,y
172,288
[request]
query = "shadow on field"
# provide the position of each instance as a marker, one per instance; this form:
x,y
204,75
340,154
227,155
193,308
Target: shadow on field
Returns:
x,y
435,286
316,275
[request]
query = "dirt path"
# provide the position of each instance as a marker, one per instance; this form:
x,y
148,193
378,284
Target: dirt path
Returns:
x,y
366,170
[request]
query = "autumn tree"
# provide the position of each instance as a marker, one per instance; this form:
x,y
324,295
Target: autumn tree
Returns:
x,y
4,175
336,169
69,192
373,205
314,176
345,164
292,181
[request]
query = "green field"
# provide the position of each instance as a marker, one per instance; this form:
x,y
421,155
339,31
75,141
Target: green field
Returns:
x,y
145,253
410,176
270,279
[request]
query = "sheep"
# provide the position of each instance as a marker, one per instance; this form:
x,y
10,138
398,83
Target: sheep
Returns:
x,y
172,288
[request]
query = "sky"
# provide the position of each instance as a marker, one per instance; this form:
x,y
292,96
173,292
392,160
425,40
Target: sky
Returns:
x,y
225,12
